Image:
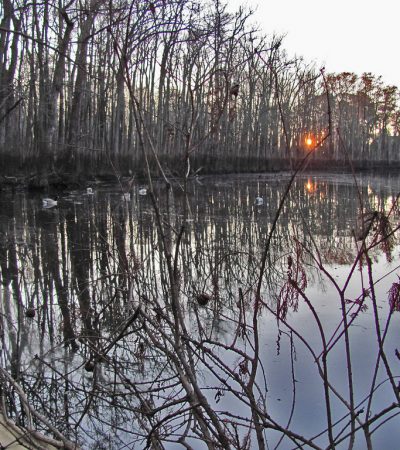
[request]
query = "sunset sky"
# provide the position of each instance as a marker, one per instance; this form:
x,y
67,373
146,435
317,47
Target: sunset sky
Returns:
x,y
342,35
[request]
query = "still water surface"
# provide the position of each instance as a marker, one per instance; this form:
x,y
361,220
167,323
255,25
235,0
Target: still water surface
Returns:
x,y
72,274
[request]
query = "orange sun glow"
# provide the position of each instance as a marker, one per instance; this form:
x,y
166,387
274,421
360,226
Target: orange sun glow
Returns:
x,y
309,141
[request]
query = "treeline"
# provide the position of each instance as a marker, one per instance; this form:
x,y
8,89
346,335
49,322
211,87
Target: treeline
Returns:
x,y
93,86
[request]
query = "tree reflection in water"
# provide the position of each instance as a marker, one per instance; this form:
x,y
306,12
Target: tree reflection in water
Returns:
x,y
88,323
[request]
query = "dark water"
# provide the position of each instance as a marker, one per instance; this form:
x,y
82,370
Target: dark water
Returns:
x,y
73,274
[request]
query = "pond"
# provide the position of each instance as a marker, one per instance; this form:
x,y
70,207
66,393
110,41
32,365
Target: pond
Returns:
x,y
142,318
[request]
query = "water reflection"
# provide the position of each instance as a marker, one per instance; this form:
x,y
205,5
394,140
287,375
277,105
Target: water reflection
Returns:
x,y
73,276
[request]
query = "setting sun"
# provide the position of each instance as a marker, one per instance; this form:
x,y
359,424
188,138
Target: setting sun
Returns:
x,y
309,141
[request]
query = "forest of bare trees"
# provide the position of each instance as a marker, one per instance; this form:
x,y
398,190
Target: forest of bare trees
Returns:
x,y
89,86
202,312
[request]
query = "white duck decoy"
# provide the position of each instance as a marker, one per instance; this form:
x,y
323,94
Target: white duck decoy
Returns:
x,y
49,202
142,191
259,201
89,191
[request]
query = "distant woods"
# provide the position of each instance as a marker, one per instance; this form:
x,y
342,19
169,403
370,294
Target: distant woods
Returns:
x,y
89,86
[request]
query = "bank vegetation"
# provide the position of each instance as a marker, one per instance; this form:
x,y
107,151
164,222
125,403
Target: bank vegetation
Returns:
x,y
89,86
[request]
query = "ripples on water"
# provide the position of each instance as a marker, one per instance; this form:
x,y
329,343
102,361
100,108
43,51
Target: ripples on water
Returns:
x,y
73,274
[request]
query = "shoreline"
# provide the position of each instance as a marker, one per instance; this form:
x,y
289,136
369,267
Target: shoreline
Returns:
x,y
59,182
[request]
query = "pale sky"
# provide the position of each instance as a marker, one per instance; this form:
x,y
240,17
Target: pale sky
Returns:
x,y
342,35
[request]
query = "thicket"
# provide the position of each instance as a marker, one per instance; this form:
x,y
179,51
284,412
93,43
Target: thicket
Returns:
x,y
85,86
150,84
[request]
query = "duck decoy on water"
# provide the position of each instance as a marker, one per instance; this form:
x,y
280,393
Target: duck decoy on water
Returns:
x,y
89,191
142,191
49,202
259,201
